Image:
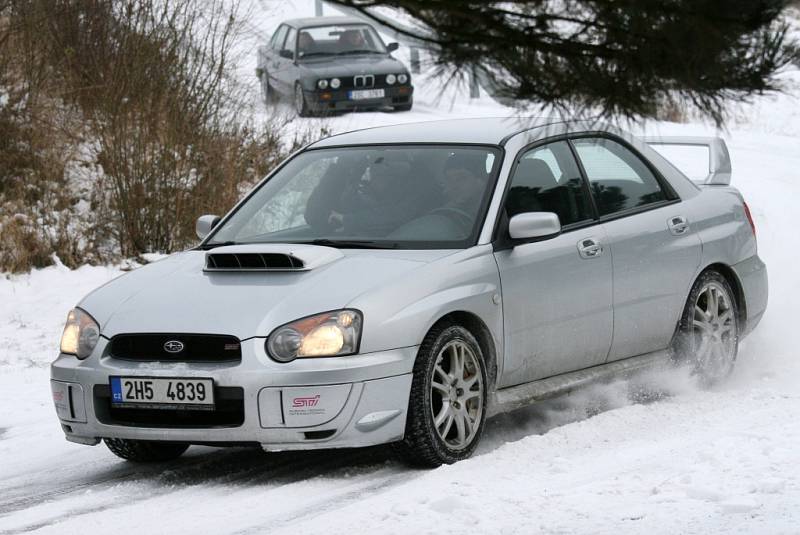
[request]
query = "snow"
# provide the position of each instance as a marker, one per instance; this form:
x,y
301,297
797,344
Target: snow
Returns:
x,y
609,459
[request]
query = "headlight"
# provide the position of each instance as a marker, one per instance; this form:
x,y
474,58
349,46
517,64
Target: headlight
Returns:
x,y
336,83
391,79
402,78
330,334
81,334
322,84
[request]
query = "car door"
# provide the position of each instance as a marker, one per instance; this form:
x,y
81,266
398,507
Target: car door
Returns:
x,y
288,68
557,312
275,63
654,250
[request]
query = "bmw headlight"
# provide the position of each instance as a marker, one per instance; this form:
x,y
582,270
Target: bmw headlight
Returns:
x,y
336,83
330,334
322,84
391,79
402,78
81,334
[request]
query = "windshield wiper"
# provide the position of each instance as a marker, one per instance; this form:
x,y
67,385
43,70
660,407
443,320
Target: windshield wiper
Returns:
x,y
311,54
209,246
346,52
349,244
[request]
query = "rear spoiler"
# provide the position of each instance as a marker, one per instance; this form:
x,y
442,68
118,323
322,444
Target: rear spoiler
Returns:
x,y
719,161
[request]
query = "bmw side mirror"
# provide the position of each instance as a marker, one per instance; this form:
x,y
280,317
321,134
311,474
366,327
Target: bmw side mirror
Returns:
x,y
391,47
205,224
286,53
534,226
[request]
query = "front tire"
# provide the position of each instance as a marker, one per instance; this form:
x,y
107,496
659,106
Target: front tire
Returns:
x,y
300,104
708,334
145,451
447,405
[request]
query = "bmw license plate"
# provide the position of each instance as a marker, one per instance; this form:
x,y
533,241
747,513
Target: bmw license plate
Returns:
x,y
162,392
364,94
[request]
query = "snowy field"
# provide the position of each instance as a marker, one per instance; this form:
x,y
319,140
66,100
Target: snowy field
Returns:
x,y
605,460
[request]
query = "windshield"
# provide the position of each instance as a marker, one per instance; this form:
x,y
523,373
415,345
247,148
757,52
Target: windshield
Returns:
x,y
406,197
339,40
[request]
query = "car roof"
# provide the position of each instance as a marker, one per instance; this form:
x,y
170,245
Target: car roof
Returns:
x,y
483,131
323,21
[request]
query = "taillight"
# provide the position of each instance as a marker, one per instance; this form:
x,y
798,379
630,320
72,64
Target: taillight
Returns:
x,y
749,217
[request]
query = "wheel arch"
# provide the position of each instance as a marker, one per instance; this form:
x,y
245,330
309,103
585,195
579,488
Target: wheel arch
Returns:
x,y
736,285
475,325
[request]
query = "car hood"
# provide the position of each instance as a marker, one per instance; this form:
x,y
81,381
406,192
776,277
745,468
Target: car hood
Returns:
x,y
328,67
177,295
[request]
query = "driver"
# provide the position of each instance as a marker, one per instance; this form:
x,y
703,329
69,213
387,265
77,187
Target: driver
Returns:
x,y
463,182
352,40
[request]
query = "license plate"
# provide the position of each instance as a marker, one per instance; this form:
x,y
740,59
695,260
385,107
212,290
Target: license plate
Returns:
x,y
162,392
366,94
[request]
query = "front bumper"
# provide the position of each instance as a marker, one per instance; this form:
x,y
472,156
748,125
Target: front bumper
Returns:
x,y
339,402
339,100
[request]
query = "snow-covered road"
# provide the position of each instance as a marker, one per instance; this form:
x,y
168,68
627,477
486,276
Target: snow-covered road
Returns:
x,y
601,461
610,459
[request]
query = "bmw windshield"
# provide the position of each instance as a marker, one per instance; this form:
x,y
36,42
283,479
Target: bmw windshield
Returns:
x,y
404,196
339,40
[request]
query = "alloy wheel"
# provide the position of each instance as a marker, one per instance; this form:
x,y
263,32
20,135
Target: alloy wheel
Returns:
x,y
714,330
457,395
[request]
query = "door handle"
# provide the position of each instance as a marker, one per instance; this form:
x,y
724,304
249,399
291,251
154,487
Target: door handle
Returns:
x,y
678,225
590,248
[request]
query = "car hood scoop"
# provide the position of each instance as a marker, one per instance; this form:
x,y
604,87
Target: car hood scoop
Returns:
x,y
269,257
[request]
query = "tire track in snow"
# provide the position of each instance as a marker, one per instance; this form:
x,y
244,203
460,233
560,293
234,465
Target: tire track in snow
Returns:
x,y
298,466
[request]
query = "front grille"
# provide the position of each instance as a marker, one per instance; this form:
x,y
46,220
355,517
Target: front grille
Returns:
x,y
228,411
195,347
376,81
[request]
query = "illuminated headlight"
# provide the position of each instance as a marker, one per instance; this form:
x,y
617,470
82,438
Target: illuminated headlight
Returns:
x,y
391,79
330,334
322,84
336,83
402,78
81,334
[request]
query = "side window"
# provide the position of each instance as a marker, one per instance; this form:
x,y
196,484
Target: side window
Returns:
x,y
547,179
291,38
618,178
278,38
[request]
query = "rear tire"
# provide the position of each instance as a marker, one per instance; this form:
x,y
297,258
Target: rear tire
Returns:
x,y
145,451
708,335
267,92
447,405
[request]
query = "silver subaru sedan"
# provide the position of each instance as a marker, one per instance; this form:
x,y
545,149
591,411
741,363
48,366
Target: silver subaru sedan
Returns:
x,y
402,284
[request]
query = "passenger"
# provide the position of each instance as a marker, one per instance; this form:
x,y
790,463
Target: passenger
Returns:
x,y
305,43
366,198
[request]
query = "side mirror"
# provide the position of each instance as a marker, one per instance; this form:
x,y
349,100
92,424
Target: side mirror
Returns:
x,y
205,224
532,226
391,47
286,53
